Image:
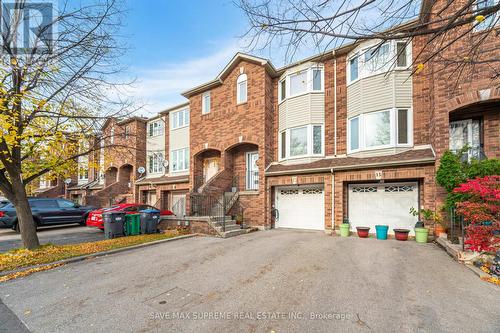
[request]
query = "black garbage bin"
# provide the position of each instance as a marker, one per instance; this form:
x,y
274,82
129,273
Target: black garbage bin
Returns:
x,y
149,221
113,224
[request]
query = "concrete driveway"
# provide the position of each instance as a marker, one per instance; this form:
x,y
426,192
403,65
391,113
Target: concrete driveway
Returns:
x,y
61,234
280,280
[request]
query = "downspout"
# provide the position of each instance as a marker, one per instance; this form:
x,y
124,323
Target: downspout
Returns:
x,y
335,103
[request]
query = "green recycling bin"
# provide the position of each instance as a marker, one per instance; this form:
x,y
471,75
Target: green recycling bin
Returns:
x,y
132,224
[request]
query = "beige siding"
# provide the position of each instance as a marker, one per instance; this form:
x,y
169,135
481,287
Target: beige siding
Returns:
x,y
403,88
179,138
302,110
379,92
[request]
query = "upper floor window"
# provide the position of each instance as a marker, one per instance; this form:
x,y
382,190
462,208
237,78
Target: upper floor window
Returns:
x,y
380,129
378,59
205,103
155,163
301,141
491,19
241,89
180,118
155,128
298,83
112,135
179,159
127,132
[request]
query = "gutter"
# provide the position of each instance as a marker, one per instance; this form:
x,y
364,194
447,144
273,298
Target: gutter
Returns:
x,y
335,102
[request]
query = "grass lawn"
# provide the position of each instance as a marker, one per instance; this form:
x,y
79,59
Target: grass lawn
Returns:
x,y
49,253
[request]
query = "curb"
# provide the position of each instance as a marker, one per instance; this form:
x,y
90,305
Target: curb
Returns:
x,y
98,254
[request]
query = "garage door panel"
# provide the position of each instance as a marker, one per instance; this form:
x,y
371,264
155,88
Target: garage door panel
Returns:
x,y
300,208
387,204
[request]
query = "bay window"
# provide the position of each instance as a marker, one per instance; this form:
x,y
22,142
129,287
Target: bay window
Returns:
x,y
380,129
155,163
155,128
179,119
179,159
378,59
301,141
302,82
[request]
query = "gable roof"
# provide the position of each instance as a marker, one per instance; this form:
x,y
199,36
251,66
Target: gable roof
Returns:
x,y
227,69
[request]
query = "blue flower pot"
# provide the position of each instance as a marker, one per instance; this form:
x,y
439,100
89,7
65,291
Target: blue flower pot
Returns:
x,y
381,231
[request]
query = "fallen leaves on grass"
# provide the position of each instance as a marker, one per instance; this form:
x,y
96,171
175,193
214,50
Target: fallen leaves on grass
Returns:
x,y
48,253
27,272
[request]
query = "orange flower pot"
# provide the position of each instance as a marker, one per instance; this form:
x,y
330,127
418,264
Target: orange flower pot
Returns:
x,y
438,230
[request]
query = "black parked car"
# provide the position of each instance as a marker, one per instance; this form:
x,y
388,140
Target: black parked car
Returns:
x,y
47,212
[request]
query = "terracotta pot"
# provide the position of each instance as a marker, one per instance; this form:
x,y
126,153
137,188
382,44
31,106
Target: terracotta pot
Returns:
x,y
362,231
401,234
438,230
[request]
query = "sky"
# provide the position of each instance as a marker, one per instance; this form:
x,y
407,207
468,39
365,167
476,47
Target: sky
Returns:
x,y
176,45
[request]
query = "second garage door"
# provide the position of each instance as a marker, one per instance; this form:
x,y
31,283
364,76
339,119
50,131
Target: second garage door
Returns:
x,y
300,207
386,204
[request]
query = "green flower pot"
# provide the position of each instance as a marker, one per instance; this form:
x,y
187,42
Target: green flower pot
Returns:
x,y
421,235
344,229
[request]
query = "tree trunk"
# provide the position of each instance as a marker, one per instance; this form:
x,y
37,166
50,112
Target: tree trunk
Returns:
x,y
27,225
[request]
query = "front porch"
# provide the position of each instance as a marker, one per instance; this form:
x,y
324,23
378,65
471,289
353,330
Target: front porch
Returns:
x,y
226,185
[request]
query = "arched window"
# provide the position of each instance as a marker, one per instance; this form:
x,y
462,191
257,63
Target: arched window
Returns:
x,y
241,89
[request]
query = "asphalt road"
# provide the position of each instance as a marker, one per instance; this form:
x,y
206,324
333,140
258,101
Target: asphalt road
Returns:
x,y
280,280
64,234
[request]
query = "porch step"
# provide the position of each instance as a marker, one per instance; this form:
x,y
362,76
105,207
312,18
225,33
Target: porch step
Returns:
x,y
229,227
233,233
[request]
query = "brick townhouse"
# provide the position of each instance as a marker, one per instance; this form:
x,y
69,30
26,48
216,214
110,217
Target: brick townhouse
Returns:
x,y
347,134
166,179
108,175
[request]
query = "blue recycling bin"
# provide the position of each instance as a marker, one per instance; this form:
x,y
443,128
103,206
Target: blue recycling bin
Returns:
x,y
149,221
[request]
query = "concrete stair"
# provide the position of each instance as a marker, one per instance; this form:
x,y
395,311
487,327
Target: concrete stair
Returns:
x,y
232,229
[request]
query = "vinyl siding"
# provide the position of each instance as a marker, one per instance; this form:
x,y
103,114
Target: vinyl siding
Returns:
x,y
379,92
179,138
302,110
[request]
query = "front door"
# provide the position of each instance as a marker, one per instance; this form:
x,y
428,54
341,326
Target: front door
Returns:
x,y
210,168
252,178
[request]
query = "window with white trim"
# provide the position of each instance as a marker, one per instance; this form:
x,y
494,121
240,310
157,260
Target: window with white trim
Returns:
x,y
205,103
378,59
155,163
179,160
301,82
301,141
179,119
490,20
241,88
155,128
112,135
380,129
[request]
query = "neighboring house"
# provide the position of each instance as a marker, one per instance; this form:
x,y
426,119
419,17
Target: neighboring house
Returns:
x,y
88,173
122,152
51,187
166,180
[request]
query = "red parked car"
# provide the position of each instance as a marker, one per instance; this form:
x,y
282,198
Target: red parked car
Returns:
x,y
94,218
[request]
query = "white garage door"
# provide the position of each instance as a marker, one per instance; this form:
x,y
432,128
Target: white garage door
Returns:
x,y
386,203
300,207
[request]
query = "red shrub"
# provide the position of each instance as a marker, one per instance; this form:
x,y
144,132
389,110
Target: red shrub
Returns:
x,y
482,206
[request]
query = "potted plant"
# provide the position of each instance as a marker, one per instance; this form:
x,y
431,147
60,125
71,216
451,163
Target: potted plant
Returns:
x,y
363,232
344,228
401,234
439,227
381,231
421,232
